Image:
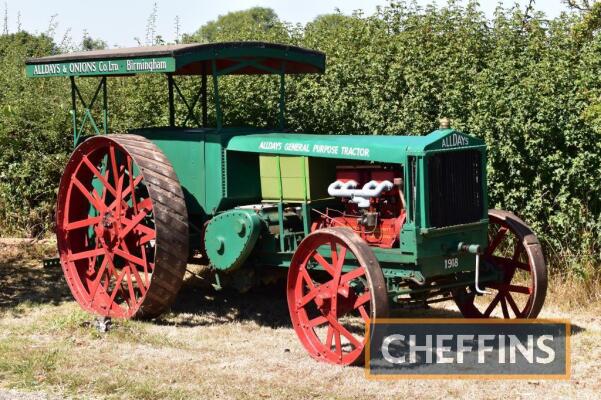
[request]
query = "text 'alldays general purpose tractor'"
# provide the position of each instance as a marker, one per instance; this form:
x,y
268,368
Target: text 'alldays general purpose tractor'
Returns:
x,y
365,224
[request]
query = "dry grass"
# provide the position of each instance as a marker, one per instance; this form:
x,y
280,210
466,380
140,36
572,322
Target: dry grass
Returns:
x,y
569,292
221,345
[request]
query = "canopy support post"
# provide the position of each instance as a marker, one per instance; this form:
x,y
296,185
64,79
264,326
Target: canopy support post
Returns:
x,y
87,109
205,118
105,108
216,91
74,111
282,115
171,101
190,108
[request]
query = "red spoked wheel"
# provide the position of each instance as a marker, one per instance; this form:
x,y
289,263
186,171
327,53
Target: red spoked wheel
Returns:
x,y
333,297
515,251
122,227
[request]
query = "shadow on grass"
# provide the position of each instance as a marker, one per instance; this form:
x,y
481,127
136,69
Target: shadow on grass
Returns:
x,y
23,280
198,304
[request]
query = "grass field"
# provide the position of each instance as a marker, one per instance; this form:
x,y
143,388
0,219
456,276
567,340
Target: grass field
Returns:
x,y
219,345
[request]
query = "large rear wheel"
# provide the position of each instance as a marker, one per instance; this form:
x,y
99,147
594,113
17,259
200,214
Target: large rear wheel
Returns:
x,y
122,227
329,306
514,251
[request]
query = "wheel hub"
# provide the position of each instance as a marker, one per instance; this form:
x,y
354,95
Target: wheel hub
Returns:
x,y
108,230
323,300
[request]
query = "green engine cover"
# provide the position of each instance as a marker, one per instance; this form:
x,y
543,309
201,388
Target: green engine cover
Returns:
x,y
230,237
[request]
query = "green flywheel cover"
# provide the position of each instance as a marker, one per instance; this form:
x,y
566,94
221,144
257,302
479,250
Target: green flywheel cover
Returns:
x,y
230,237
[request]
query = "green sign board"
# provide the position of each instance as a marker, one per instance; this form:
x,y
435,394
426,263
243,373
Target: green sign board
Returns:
x,y
102,67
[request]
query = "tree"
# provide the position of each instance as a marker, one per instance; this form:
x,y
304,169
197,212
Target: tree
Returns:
x,y
590,22
257,19
88,43
580,5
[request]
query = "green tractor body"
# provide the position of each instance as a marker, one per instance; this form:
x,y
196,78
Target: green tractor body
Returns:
x,y
236,168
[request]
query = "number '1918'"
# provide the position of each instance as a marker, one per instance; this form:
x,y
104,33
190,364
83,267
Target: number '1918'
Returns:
x,y
451,263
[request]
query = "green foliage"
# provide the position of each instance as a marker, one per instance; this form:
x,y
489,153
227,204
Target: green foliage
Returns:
x,y
256,19
528,85
33,136
89,43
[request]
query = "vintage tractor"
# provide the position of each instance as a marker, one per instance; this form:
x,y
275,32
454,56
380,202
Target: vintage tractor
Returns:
x,y
365,224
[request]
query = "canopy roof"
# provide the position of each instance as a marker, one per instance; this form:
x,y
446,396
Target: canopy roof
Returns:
x,y
243,58
392,149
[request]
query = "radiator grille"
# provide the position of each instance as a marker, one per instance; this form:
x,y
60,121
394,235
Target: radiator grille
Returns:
x,y
455,188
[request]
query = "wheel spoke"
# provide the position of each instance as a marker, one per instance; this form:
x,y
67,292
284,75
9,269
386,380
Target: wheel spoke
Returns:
x,y
130,287
120,180
147,266
497,240
339,260
322,261
364,314
308,297
96,283
500,261
522,266
317,321
140,284
118,279
334,254
126,192
307,278
111,264
83,223
135,221
513,305
117,288
504,307
361,300
492,305
354,274
343,331
113,162
519,289
130,168
95,202
329,337
141,228
129,257
338,341
85,254
99,176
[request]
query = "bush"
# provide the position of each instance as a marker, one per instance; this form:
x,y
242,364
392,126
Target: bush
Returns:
x,y
527,85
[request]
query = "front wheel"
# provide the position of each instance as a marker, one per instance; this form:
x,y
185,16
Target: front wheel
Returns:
x,y
335,288
514,251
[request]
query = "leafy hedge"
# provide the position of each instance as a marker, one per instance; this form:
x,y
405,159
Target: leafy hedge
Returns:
x,y
529,86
